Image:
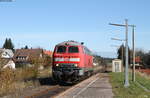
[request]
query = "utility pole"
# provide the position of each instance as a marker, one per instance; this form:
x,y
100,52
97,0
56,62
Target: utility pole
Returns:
x,y
126,84
122,55
133,48
126,62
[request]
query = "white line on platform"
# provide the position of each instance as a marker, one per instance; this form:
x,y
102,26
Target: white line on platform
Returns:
x,y
85,88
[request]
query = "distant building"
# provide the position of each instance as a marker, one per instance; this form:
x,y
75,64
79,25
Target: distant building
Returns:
x,y
6,58
138,62
138,59
4,63
10,64
25,56
116,65
6,53
48,53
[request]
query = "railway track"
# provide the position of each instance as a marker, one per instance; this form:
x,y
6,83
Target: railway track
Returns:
x,y
48,89
54,90
48,93
51,91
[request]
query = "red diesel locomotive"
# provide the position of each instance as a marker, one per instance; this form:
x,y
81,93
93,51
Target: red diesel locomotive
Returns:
x,y
71,61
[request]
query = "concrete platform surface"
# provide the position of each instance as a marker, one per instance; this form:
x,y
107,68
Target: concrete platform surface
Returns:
x,y
97,86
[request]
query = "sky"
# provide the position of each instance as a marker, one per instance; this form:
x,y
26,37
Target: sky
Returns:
x,y
45,23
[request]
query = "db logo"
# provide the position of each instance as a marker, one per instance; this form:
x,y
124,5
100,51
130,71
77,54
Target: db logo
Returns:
x,y
66,59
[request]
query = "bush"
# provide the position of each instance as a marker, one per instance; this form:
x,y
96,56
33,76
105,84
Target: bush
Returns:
x,y
7,77
12,80
26,73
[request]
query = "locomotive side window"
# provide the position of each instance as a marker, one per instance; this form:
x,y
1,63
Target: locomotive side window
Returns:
x,y
73,49
87,51
61,49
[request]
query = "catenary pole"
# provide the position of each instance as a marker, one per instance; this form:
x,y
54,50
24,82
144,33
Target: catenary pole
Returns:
x,y
126,82
126,62
133,46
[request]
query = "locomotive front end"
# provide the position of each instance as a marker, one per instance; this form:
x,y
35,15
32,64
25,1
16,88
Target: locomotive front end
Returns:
x,y
67,61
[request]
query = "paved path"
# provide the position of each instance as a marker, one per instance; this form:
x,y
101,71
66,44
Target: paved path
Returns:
x,y
95,87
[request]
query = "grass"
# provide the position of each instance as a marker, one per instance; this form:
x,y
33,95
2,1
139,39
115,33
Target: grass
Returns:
x,y
133,91
143,80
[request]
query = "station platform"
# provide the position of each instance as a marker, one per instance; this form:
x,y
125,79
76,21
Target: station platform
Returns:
x,y
97,86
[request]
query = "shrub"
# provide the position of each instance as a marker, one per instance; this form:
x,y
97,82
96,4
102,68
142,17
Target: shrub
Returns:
x,y
7,77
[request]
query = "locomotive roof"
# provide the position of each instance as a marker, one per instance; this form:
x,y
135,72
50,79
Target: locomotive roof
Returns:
x,y
70,43
74,43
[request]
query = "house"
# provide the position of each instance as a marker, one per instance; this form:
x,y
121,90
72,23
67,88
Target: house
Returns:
x,y
117,65
10,64
48,58
6,53
6,58
6,63
26,56
138,59
48,53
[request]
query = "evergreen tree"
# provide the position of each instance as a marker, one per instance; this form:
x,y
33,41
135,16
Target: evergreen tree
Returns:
x,y
5,43
144,57
8,44
121,53
26,47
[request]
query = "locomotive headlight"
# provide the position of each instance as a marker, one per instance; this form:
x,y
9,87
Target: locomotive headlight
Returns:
x,y
57,64
75,65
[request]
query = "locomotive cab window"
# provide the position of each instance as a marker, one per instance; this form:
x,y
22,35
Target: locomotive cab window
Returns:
x,y
73,49
61,49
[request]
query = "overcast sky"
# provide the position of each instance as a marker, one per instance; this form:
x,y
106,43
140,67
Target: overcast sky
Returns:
x,y
44,23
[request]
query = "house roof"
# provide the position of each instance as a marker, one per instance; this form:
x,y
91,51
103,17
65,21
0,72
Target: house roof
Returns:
x,y
31,53
49,53
8,51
